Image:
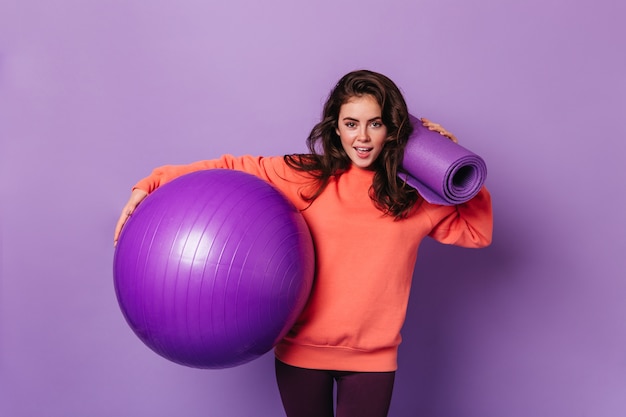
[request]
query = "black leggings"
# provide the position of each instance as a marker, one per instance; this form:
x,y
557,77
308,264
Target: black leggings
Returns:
x,y
309,392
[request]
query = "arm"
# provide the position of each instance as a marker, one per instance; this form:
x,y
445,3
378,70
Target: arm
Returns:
x,y
469,224
272,170
166,173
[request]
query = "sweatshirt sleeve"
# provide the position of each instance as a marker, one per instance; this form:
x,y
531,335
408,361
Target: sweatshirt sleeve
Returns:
x,y
469,224
271,169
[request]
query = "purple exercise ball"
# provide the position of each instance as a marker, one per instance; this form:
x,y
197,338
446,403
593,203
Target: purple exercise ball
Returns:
x,y
213,268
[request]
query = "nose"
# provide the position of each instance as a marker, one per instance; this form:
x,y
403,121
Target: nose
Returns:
x,y
363,134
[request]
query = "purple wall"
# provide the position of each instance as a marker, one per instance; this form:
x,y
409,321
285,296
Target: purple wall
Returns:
x,y
94,94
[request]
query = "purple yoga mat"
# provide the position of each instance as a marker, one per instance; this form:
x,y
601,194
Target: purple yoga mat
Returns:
x,y
442,171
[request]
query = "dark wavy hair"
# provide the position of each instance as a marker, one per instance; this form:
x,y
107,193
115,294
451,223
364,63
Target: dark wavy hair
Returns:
x,y
327,158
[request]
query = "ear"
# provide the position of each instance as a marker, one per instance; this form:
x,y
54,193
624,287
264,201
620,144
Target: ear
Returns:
x,y
337,131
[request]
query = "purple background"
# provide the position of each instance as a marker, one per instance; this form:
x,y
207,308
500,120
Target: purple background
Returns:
x,y
95,93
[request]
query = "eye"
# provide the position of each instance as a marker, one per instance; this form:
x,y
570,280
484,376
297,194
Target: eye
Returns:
x,y
350,125
376,124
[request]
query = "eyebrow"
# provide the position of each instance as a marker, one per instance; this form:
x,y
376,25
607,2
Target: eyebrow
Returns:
x,y
356,120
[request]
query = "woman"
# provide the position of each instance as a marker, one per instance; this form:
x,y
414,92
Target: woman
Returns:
x,y
366,225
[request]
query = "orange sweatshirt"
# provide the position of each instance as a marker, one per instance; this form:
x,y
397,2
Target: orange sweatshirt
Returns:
x,y
364,261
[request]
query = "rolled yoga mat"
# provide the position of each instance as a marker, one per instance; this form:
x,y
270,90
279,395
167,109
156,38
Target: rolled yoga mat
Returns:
x,y
443,172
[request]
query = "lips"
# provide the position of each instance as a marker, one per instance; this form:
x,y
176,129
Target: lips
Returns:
x,y
363,152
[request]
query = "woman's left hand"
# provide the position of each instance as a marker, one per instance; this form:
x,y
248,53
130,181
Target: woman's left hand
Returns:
x,y
438,128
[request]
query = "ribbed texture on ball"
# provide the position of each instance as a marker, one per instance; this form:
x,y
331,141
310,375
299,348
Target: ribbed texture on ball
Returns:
x,y
213,268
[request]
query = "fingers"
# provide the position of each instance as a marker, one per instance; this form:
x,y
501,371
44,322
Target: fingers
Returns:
x,y
449,136
136,197
436,127
120,223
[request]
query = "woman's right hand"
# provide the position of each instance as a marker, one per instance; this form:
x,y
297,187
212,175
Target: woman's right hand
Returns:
x,y
136,197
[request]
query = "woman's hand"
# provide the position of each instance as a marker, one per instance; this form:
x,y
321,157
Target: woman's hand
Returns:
x,y
438,128
136,197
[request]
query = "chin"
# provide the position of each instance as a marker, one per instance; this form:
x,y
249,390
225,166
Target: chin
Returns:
x,y
362,164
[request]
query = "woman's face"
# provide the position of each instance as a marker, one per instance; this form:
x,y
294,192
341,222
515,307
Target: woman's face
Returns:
x,y
361,129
